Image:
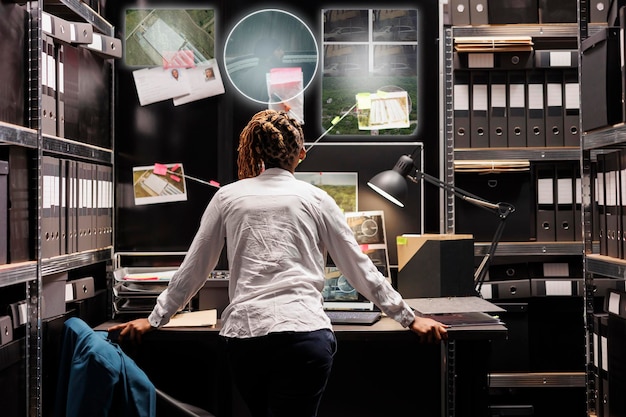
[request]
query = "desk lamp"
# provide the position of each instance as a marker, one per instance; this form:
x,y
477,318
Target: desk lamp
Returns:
x,y
392,185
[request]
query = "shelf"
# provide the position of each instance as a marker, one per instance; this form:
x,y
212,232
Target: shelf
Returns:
x,y
529,154
18,273
613,135
537,379
606,266
552,30
72,148
18,135
75,260
530,248
72,9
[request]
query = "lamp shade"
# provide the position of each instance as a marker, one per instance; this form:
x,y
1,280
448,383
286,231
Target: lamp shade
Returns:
x,y
392,184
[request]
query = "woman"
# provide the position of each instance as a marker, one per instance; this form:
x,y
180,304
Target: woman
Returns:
x,y
278,230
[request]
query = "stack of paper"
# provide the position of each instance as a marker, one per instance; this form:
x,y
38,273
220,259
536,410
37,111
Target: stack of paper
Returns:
x,y
491,166
493,43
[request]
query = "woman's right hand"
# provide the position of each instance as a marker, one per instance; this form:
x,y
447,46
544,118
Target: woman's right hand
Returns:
x,y
429,330
132,330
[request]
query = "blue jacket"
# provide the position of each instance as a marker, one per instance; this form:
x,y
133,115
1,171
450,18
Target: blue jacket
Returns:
x,y
97,379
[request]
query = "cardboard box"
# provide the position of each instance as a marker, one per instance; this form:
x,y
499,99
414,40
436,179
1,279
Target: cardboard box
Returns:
x,y
434,265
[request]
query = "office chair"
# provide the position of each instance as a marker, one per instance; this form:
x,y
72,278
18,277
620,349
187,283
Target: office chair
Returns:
x,y
96,378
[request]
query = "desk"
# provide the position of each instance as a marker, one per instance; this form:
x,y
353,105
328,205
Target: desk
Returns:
x,y
380,370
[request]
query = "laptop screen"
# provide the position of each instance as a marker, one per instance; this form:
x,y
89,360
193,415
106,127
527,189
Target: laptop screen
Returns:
x,y
340,295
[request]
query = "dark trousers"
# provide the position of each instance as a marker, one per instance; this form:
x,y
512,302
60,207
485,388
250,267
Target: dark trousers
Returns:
x,y
282,374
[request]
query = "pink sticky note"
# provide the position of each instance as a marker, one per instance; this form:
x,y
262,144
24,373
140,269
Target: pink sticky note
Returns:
x,y
175,178
160,169
214,183
175,168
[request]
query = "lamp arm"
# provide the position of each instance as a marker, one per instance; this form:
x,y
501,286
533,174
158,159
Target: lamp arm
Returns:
x,y
502,210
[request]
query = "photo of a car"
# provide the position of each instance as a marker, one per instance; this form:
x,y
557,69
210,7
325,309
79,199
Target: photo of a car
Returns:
x,y
346,34
393,68
395,33
342,69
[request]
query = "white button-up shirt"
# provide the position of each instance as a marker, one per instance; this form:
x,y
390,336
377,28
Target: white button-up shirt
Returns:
x,y
277,230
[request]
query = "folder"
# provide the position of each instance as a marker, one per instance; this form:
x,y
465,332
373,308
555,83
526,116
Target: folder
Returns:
x,y
498,123
60,99
579,230
535,126
513,11
479,107
544,180
598,11
4,207
479,12
612,209
517,109
565,183
93,208
554,108
461,106
72,207
85,204
600,202
55,27
621,202
48,85
106,46
459,12
571,110
558,11
63,249
20,246
50,243
81,33
557,58
71,100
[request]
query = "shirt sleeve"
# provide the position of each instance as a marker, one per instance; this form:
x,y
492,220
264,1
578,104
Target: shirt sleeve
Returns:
x,y
201,258
357,267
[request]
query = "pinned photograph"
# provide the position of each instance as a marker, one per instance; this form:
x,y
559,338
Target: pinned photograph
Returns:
x,y
159,183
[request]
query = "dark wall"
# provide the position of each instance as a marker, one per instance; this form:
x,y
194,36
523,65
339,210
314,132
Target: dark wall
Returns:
x,y
203,135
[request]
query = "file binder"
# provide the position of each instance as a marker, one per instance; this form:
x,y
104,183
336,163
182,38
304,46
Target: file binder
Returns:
x,y
71,100
566,58
558,11
50,221
612,209
544,180
621,203
513,11
459,12
554,108
60,81
106,46
479,12
4,206
63,207
600,198
565,183
571,111
461,107
72,207
535,126
598,11
517,109
84,206
20,248
479,119
578,219
55,27
498,123
48,84
601,79
81,33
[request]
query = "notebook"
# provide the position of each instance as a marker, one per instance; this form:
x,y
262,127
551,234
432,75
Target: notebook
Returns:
x,y
345,305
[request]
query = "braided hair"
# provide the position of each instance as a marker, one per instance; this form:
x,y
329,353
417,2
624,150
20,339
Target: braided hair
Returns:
x,y
271,139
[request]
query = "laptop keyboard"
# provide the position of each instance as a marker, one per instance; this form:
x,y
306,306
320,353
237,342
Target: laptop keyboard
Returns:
x,y
353,317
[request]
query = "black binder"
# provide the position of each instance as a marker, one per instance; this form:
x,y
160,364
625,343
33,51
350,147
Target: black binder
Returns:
x,y
535,126
554,108
558,11
571,108
545,199
479,12
517,108
479,107
459,12
498,122
461,103
48,82
612,208
565,201
600,198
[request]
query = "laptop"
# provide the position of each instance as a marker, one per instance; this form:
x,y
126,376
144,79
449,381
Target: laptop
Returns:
x,y
345,305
